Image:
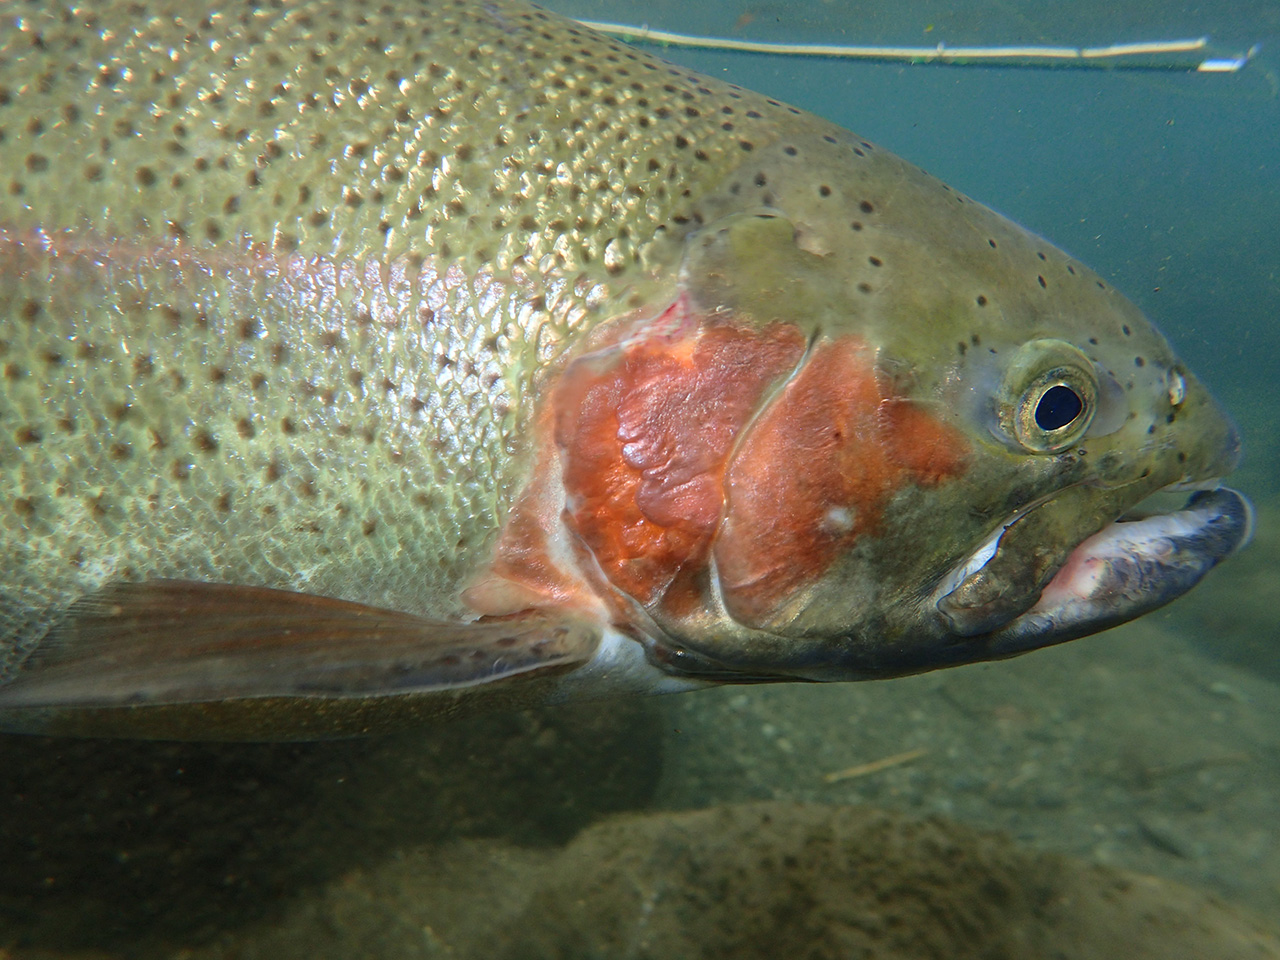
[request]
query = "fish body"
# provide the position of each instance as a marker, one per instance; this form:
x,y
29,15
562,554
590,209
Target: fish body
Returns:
x,y
361,362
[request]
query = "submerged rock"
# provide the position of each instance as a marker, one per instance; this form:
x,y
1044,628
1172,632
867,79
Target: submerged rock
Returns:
x,y
755,881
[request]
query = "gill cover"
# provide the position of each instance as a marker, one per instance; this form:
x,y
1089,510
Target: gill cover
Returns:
x,y
722,459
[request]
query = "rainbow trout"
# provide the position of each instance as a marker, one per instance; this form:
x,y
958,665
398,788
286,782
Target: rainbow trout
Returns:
x,y
366,362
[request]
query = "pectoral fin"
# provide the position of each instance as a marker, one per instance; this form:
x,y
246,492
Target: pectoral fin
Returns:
x,y
173,642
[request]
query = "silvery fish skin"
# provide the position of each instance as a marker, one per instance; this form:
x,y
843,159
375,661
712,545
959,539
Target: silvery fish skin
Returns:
x,y
365,362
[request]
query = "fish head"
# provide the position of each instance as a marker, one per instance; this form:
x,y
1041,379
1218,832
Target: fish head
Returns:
x,y
940,436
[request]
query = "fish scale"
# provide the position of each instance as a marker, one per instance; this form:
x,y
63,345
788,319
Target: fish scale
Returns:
x,y
220,165
245,179
298,297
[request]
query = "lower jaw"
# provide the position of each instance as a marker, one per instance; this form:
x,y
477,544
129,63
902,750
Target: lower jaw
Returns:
x,y
1137,564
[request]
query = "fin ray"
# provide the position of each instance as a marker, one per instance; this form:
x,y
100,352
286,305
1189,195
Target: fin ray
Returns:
x,y
176,641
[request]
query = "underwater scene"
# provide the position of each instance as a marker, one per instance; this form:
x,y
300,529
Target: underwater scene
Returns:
x,y
1117,795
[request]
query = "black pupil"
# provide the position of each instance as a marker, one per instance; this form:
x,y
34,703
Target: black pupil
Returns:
x,y
1058,407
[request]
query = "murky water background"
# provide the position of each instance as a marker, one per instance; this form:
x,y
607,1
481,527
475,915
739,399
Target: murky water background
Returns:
x,y
1155,747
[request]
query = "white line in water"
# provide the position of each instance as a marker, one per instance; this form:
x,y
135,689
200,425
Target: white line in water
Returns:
x,y
1167,54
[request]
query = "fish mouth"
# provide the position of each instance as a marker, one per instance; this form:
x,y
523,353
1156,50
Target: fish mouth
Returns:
x,y
1137,563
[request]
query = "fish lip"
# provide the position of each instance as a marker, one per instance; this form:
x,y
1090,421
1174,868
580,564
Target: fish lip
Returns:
x,y
1137,563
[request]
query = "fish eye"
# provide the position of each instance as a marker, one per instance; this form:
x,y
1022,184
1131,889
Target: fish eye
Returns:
x,y
1058,407
1055,409
1049,396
